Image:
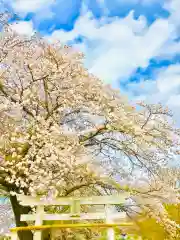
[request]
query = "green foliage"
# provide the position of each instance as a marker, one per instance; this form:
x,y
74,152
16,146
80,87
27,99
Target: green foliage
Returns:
x,y
122,238
4,238
150,229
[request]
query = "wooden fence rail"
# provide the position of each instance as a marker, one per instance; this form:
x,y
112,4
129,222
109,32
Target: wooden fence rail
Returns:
x,y
107,214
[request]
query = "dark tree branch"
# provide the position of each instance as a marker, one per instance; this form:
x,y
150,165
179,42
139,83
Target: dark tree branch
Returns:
x,y
15,101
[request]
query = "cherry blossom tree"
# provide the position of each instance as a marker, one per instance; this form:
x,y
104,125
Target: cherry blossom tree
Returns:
x,y
63,131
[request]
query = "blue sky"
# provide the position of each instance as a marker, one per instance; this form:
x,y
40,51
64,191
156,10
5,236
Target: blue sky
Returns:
x,y
132,44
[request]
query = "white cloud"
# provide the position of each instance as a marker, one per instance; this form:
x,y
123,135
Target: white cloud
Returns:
x,y
169,50
62,35
23,27
173,7
166,83
172,47
169,79
25,6
174,101
117,46
165,89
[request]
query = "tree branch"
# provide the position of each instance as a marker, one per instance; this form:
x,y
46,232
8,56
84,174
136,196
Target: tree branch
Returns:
x,y
14,100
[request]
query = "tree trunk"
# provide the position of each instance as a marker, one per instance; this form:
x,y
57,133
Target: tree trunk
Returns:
x,y
18,210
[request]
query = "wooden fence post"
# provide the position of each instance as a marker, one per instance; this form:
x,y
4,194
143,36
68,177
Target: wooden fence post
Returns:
x,y
14,236
39,221
110,231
